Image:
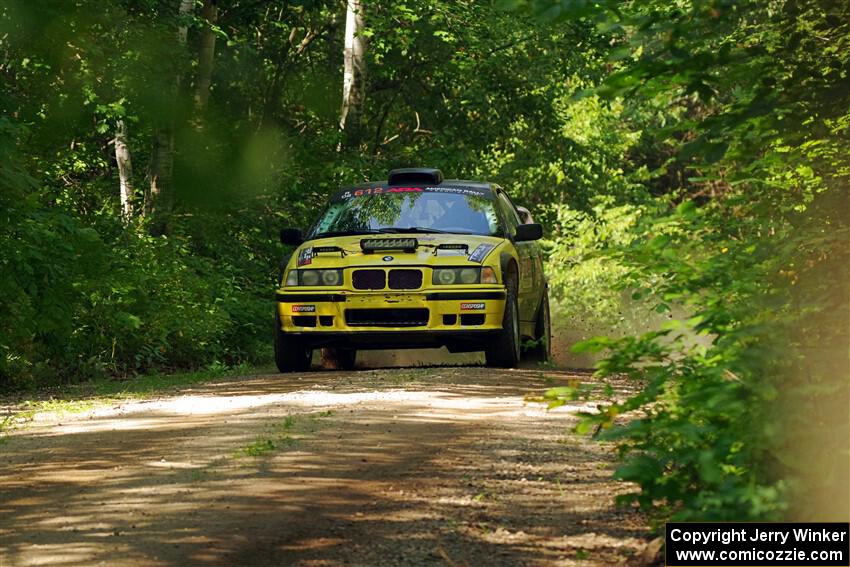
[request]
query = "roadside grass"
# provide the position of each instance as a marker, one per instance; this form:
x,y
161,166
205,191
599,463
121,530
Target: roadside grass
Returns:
x,y
59,408
258,448
281,435
87,396
151,384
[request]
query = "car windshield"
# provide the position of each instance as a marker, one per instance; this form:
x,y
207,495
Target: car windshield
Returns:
x,y
410,209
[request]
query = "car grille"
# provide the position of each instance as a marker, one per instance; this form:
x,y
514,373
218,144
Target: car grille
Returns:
x,y
369,279
377,279
405,279
401,317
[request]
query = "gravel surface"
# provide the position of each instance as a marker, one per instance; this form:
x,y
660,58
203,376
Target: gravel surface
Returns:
x,y
422,466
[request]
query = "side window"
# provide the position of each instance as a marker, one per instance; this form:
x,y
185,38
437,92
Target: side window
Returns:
x,y
508,213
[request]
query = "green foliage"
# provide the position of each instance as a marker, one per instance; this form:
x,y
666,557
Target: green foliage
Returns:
x,y
583,274
755,254
79,306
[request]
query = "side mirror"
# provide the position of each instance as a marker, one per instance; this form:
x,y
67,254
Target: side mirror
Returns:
x,y
291,236
526,232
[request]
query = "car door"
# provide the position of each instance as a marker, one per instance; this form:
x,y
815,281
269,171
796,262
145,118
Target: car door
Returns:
x,y
526,250
538,274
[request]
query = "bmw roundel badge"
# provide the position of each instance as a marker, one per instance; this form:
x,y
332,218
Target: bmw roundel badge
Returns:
x,y
388,258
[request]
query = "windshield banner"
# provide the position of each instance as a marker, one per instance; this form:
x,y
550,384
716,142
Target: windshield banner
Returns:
x,y
366,191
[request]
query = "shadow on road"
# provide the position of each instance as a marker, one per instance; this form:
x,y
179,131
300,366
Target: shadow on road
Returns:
x,y
388,467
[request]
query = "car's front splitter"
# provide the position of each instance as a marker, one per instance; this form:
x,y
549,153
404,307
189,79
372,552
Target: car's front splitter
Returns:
x,y
467,340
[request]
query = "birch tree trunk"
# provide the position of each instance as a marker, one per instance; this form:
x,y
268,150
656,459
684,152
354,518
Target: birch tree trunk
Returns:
x,y
125,170
185,10
354,74
206,54
159,199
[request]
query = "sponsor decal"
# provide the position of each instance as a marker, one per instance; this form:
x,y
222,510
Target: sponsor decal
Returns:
x,y
456,191
480,253
350,193
472,306
303,308
305,257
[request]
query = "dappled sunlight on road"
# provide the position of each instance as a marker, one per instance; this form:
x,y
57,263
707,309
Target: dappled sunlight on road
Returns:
x,y
256,470
460,403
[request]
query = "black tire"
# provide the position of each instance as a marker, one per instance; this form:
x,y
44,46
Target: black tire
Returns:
x,y
290,353
339,358
542,350
503,351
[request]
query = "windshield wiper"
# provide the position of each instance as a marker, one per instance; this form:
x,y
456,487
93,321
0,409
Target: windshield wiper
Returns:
x,y
419,229
353,232
389,230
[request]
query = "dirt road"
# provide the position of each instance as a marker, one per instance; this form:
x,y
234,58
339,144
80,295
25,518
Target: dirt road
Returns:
x,y
427,466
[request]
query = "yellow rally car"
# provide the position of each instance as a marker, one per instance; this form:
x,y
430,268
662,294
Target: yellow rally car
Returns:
x,y
413,262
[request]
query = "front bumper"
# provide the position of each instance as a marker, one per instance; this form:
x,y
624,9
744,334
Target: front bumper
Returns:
x,y
462,319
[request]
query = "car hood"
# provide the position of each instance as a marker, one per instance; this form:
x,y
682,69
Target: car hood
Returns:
x,y
432,249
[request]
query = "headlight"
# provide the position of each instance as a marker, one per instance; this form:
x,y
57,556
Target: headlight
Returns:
x,y
314,277
449,276
444,277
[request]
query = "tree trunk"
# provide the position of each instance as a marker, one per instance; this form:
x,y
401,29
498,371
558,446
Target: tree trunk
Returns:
x,y
125,170
158,198
354,76
183,13
206,54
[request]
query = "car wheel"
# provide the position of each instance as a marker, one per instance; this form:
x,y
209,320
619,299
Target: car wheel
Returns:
x,y
290,353
542,350
503,352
